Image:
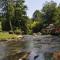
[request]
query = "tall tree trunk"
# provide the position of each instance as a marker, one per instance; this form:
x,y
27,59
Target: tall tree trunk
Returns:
x,y
11,26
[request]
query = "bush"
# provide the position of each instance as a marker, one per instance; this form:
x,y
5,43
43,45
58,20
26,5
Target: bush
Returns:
x,y
18,31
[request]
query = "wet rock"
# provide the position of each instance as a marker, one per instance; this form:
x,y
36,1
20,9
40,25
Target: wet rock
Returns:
x,y
35,57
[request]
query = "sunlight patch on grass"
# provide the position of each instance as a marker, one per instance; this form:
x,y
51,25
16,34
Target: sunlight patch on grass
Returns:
x,y
5,35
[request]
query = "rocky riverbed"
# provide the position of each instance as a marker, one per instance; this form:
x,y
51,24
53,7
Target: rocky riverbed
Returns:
x,y
35,45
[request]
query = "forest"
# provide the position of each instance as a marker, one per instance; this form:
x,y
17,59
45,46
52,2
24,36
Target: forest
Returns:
x,y
13,17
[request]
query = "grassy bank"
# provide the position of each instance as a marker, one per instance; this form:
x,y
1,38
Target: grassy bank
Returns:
x,y
6,35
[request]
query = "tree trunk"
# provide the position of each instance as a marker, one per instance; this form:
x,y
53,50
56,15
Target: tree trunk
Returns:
x,y
11,26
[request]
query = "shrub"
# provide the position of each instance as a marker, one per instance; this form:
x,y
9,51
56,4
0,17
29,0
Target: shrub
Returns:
x,y
18,31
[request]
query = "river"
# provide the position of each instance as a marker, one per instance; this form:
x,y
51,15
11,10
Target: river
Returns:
x,y
38,46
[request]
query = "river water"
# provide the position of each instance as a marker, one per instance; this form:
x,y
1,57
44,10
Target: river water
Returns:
x,y
37,45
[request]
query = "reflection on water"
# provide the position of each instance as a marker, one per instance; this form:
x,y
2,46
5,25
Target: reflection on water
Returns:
x,y
36,45
2,50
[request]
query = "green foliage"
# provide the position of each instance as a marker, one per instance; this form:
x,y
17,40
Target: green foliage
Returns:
x,y
15,16
18,31
56,17
37,21
30,25
9,14
36,27
48,11
0,27
1,18
20,15
29,28
33,26
37,15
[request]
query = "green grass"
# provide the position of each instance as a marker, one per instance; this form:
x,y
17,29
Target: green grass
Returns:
x,y
5,35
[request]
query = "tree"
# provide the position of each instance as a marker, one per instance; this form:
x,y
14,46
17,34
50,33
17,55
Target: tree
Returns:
x,y
38,21
10,13
20,15
14,15
8,10
1,18
37,16
56,17
48,11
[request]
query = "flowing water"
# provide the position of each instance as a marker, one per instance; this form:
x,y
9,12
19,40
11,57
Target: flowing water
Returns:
x,y
36,45
39,45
